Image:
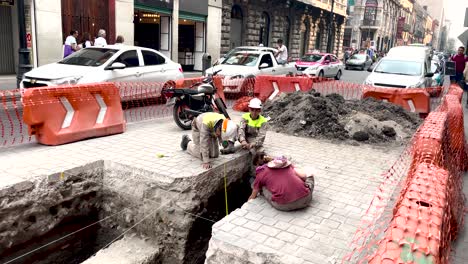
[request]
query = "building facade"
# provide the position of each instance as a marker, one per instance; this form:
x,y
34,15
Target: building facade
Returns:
x,y
303,25
435,9
372,23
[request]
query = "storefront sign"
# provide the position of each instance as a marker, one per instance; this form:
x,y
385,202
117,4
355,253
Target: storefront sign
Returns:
x,y
7,2
400,26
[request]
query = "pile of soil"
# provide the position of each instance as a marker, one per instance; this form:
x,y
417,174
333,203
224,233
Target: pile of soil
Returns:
x,y
332,117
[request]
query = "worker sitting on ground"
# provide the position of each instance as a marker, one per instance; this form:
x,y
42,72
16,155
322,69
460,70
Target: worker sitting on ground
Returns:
x,y
285,187
252,129
207,129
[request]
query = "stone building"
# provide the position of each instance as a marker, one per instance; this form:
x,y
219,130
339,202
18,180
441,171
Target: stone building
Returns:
x,y
302,24
372,22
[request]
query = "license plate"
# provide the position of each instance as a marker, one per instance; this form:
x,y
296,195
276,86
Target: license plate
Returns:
x,y
171,102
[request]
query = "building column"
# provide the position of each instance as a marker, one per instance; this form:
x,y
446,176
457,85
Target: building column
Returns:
x,y
213,29
124,12
49,19
175,32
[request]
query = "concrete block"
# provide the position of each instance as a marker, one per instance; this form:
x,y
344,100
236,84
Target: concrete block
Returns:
x,y
129,250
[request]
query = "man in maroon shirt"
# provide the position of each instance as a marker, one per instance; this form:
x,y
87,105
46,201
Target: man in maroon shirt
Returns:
x,y
460,59
286,188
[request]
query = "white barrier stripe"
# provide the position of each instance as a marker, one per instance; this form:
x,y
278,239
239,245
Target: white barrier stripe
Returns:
x,y
298,88
102,109
273,95
70,112
411,105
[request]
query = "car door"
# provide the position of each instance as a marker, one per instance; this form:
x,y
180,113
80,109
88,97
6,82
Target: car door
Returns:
x,y
327,71
154,69
335,63
266,58
132,71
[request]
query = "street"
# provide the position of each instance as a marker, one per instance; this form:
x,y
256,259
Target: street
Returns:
x,y
354,76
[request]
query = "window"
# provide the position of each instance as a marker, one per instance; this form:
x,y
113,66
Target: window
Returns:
x,y
151,58
267,59
400,67
129,58
333,59
265,29
89,57
242,59
311,57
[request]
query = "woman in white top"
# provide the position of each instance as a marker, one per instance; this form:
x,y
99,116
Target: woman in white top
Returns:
x,y
87,40
70,43
101,40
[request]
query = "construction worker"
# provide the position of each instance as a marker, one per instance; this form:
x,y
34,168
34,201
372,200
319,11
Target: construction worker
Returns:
x,y
252,129
207,129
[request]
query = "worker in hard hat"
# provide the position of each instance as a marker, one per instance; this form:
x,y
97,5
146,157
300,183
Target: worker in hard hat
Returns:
x,y
208,130
252,130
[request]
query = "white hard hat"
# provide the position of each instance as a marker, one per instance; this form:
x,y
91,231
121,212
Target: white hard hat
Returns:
x,y
229,130
255,103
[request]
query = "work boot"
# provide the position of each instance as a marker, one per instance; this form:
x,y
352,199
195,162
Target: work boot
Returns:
x,y
184,142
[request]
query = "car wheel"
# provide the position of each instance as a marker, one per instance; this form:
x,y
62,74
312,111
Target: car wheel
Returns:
x,y
346,68
321,74
338,75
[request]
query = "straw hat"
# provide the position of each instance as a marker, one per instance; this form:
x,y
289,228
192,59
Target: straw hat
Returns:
x,y
279,163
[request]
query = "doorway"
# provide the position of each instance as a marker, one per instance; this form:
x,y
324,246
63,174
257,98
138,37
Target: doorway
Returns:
x,y
7,63
236,26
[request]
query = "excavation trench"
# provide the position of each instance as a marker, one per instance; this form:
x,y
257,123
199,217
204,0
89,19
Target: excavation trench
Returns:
x,y
40,219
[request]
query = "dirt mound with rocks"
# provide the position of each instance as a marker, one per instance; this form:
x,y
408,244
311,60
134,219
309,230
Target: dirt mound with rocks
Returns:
x,y
331,117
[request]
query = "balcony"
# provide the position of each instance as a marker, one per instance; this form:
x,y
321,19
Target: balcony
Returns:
x,y
370,23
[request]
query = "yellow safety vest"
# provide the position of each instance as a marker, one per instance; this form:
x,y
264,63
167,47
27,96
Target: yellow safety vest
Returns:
x,y
257,123
210,119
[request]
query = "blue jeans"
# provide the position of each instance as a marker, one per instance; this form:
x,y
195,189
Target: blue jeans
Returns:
x,y
457,77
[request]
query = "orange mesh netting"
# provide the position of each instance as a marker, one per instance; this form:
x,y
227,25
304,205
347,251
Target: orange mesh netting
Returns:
x,y
419,208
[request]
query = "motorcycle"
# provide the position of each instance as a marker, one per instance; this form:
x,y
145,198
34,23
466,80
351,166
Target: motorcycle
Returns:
x,y
191,102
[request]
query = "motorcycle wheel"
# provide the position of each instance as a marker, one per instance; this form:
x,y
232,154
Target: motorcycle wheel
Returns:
x,y
221,107
181,118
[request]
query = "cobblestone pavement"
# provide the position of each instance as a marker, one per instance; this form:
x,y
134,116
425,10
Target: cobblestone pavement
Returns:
x,y
347,177
140,147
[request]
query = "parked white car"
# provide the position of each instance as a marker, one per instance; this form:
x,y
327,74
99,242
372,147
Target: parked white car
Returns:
x,y
245,48
242,64
113,63
398,72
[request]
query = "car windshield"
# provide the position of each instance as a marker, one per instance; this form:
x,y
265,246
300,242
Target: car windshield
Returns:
x,y
242,59
399,67
358,57
89,57
312,57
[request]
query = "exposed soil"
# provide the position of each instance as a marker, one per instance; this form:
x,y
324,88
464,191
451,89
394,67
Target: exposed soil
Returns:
x,y
331,117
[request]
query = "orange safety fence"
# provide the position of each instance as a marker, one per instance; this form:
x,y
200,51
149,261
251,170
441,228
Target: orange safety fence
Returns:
x,y
418,210
143,100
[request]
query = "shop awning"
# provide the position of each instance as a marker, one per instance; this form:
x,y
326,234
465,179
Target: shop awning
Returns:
x,y
192,16
160,10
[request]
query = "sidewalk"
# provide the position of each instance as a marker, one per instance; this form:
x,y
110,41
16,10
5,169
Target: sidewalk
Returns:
x,y
460,246
7,82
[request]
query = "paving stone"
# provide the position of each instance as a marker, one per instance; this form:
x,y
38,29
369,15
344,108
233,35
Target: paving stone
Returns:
x,y
270,231
286,236
252,225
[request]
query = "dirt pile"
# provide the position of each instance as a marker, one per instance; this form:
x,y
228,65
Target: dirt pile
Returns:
x,y
331,117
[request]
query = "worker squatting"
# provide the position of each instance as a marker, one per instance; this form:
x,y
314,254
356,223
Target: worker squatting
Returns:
x,y
285,186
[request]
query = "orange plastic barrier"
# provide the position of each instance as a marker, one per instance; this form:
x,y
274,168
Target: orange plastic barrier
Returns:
x,y
268,87
414,100
62,115
456,90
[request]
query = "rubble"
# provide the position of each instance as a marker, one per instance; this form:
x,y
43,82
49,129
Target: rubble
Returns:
x,y
331,117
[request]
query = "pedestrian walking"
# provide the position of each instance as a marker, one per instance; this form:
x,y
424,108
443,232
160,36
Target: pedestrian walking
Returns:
x,y
70,44
119,40
282,53
252,129
87,40
208,129
101,39
285,187
460,60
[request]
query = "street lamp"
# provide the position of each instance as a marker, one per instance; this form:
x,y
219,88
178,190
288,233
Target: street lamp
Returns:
x,y
24,64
